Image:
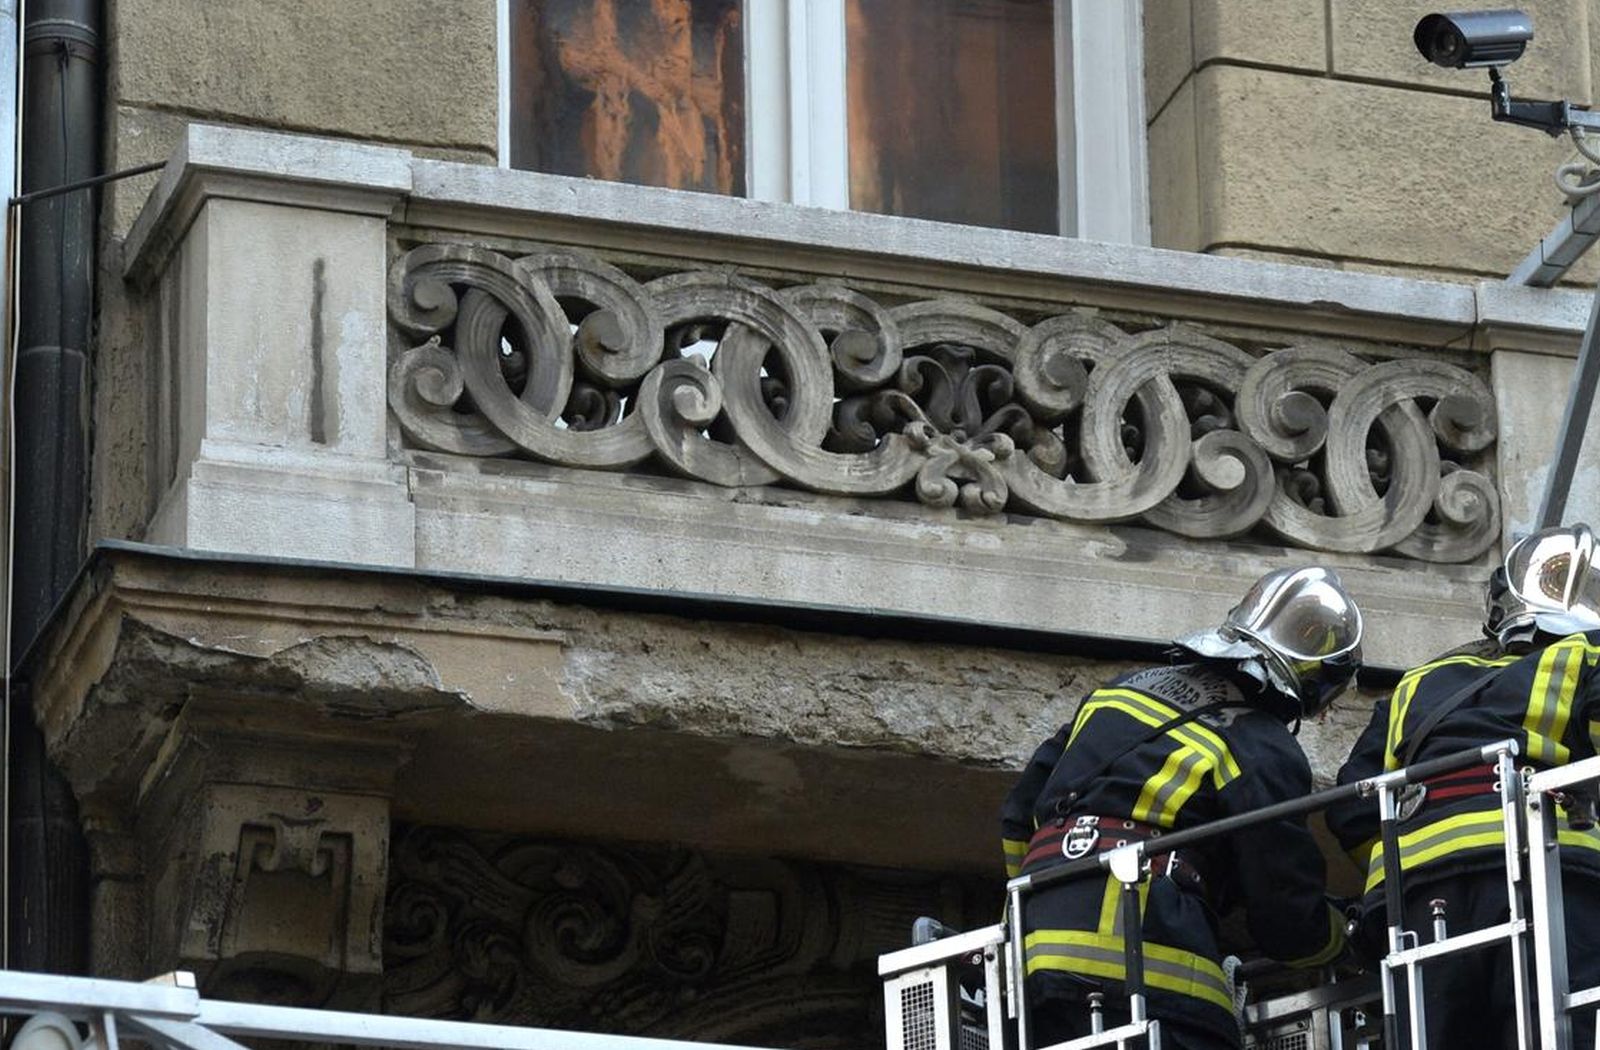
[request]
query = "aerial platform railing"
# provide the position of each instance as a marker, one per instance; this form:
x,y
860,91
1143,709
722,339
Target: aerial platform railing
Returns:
x,y
958,1022
83,1013
1573,788
966,992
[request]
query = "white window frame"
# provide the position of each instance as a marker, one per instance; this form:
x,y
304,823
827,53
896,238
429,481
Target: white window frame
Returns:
x,y
796,137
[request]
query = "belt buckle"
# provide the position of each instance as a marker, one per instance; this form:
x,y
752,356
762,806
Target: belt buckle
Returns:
x,y
1083,837
1409,799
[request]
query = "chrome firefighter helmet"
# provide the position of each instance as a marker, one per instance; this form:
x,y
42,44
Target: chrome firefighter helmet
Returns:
x,y
1549,583
1300,627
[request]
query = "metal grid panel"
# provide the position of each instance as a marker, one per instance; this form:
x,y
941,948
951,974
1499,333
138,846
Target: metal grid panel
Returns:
x,y
919,1027
972,1034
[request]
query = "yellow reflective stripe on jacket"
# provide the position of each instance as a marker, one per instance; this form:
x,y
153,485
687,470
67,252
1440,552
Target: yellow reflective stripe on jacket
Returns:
x,y
1111,906
1098,955
1362,854
1464,831
1015,851
1400,704
1200,751
1555,683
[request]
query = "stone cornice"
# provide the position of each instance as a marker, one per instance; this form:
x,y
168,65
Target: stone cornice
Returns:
x,y
229,163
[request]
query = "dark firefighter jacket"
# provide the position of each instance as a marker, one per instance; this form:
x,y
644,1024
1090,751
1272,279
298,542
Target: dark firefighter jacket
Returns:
x,y
1546,699
1234,760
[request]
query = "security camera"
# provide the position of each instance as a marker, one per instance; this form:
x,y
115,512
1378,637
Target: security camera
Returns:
x,y
1471,39
1468,39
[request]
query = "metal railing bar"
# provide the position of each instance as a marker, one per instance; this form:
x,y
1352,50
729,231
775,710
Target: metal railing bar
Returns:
x,y
1578,1000
1293,808
84,998
180,1034
920,955
1122,1033
1459,943
1564,776
415,1033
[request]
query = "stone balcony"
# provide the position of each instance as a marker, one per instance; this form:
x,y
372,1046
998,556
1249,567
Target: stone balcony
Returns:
x,y
370,358
507,511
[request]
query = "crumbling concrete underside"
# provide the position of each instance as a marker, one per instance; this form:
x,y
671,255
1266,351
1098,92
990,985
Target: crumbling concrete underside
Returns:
x,y
241,737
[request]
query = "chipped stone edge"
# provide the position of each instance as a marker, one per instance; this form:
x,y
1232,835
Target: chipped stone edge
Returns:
x,y
246,164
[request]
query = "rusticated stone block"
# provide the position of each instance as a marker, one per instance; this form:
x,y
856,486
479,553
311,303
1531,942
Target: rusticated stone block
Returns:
x,y
1174,175
1363,171
1168,51
1372,38
407,71
1285,33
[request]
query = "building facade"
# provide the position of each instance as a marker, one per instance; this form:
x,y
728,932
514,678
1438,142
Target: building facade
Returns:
x,y
617,596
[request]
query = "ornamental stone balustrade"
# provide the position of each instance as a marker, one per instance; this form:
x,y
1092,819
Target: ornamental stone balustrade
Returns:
x,y
370,358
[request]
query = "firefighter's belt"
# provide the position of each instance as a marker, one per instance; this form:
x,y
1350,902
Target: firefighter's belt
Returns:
x,y
1463,783
1078,836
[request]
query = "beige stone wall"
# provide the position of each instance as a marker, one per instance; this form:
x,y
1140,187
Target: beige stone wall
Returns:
x,y
410,72
1311,131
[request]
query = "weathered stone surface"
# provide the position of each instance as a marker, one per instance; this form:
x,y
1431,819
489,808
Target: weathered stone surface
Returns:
x,y
359,68
1284,33
1168,54
1175,219
1293,164
136,136
744,723
1372,38
1259,255
1532,388
122,479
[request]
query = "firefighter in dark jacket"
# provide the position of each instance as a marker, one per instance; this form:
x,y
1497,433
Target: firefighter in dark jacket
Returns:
x,y
1174,747
1536,680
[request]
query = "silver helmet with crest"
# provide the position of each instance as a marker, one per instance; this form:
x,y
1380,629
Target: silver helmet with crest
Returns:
x,y
1549,582
1299,628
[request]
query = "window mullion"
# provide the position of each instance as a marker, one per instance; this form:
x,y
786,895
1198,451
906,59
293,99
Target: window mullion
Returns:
x,y
795,76
1066,118
502,110
1109,198
768,133
820,38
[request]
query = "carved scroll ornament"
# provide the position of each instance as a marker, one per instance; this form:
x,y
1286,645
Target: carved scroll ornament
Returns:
x,y
650,941
563,358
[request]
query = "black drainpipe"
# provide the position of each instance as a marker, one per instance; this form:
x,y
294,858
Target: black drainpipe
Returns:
x,y
48,919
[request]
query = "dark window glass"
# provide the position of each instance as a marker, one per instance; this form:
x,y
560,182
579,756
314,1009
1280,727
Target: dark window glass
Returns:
x,y
952,111
645,91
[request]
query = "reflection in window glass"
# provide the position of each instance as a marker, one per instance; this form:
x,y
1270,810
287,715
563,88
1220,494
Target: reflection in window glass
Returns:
x,y
952,111
644,91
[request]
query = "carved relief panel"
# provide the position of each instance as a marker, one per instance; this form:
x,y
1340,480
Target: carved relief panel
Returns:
x,y
649,940
563,358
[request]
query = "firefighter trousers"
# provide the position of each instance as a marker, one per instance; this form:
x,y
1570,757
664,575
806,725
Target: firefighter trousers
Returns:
x,y
1057,1018
1469,998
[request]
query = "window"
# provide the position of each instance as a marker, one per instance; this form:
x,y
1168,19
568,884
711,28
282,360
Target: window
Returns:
x,y
966,111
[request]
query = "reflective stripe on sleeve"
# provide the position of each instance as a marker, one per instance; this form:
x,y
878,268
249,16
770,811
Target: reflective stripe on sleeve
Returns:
x,y
1015,850
1555,684
1329,951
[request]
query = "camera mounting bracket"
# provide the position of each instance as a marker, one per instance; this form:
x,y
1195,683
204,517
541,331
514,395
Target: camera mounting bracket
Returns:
x,y
1552,118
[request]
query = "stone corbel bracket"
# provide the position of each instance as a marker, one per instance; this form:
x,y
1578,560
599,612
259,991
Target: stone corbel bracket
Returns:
x,y
270,857
234,750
